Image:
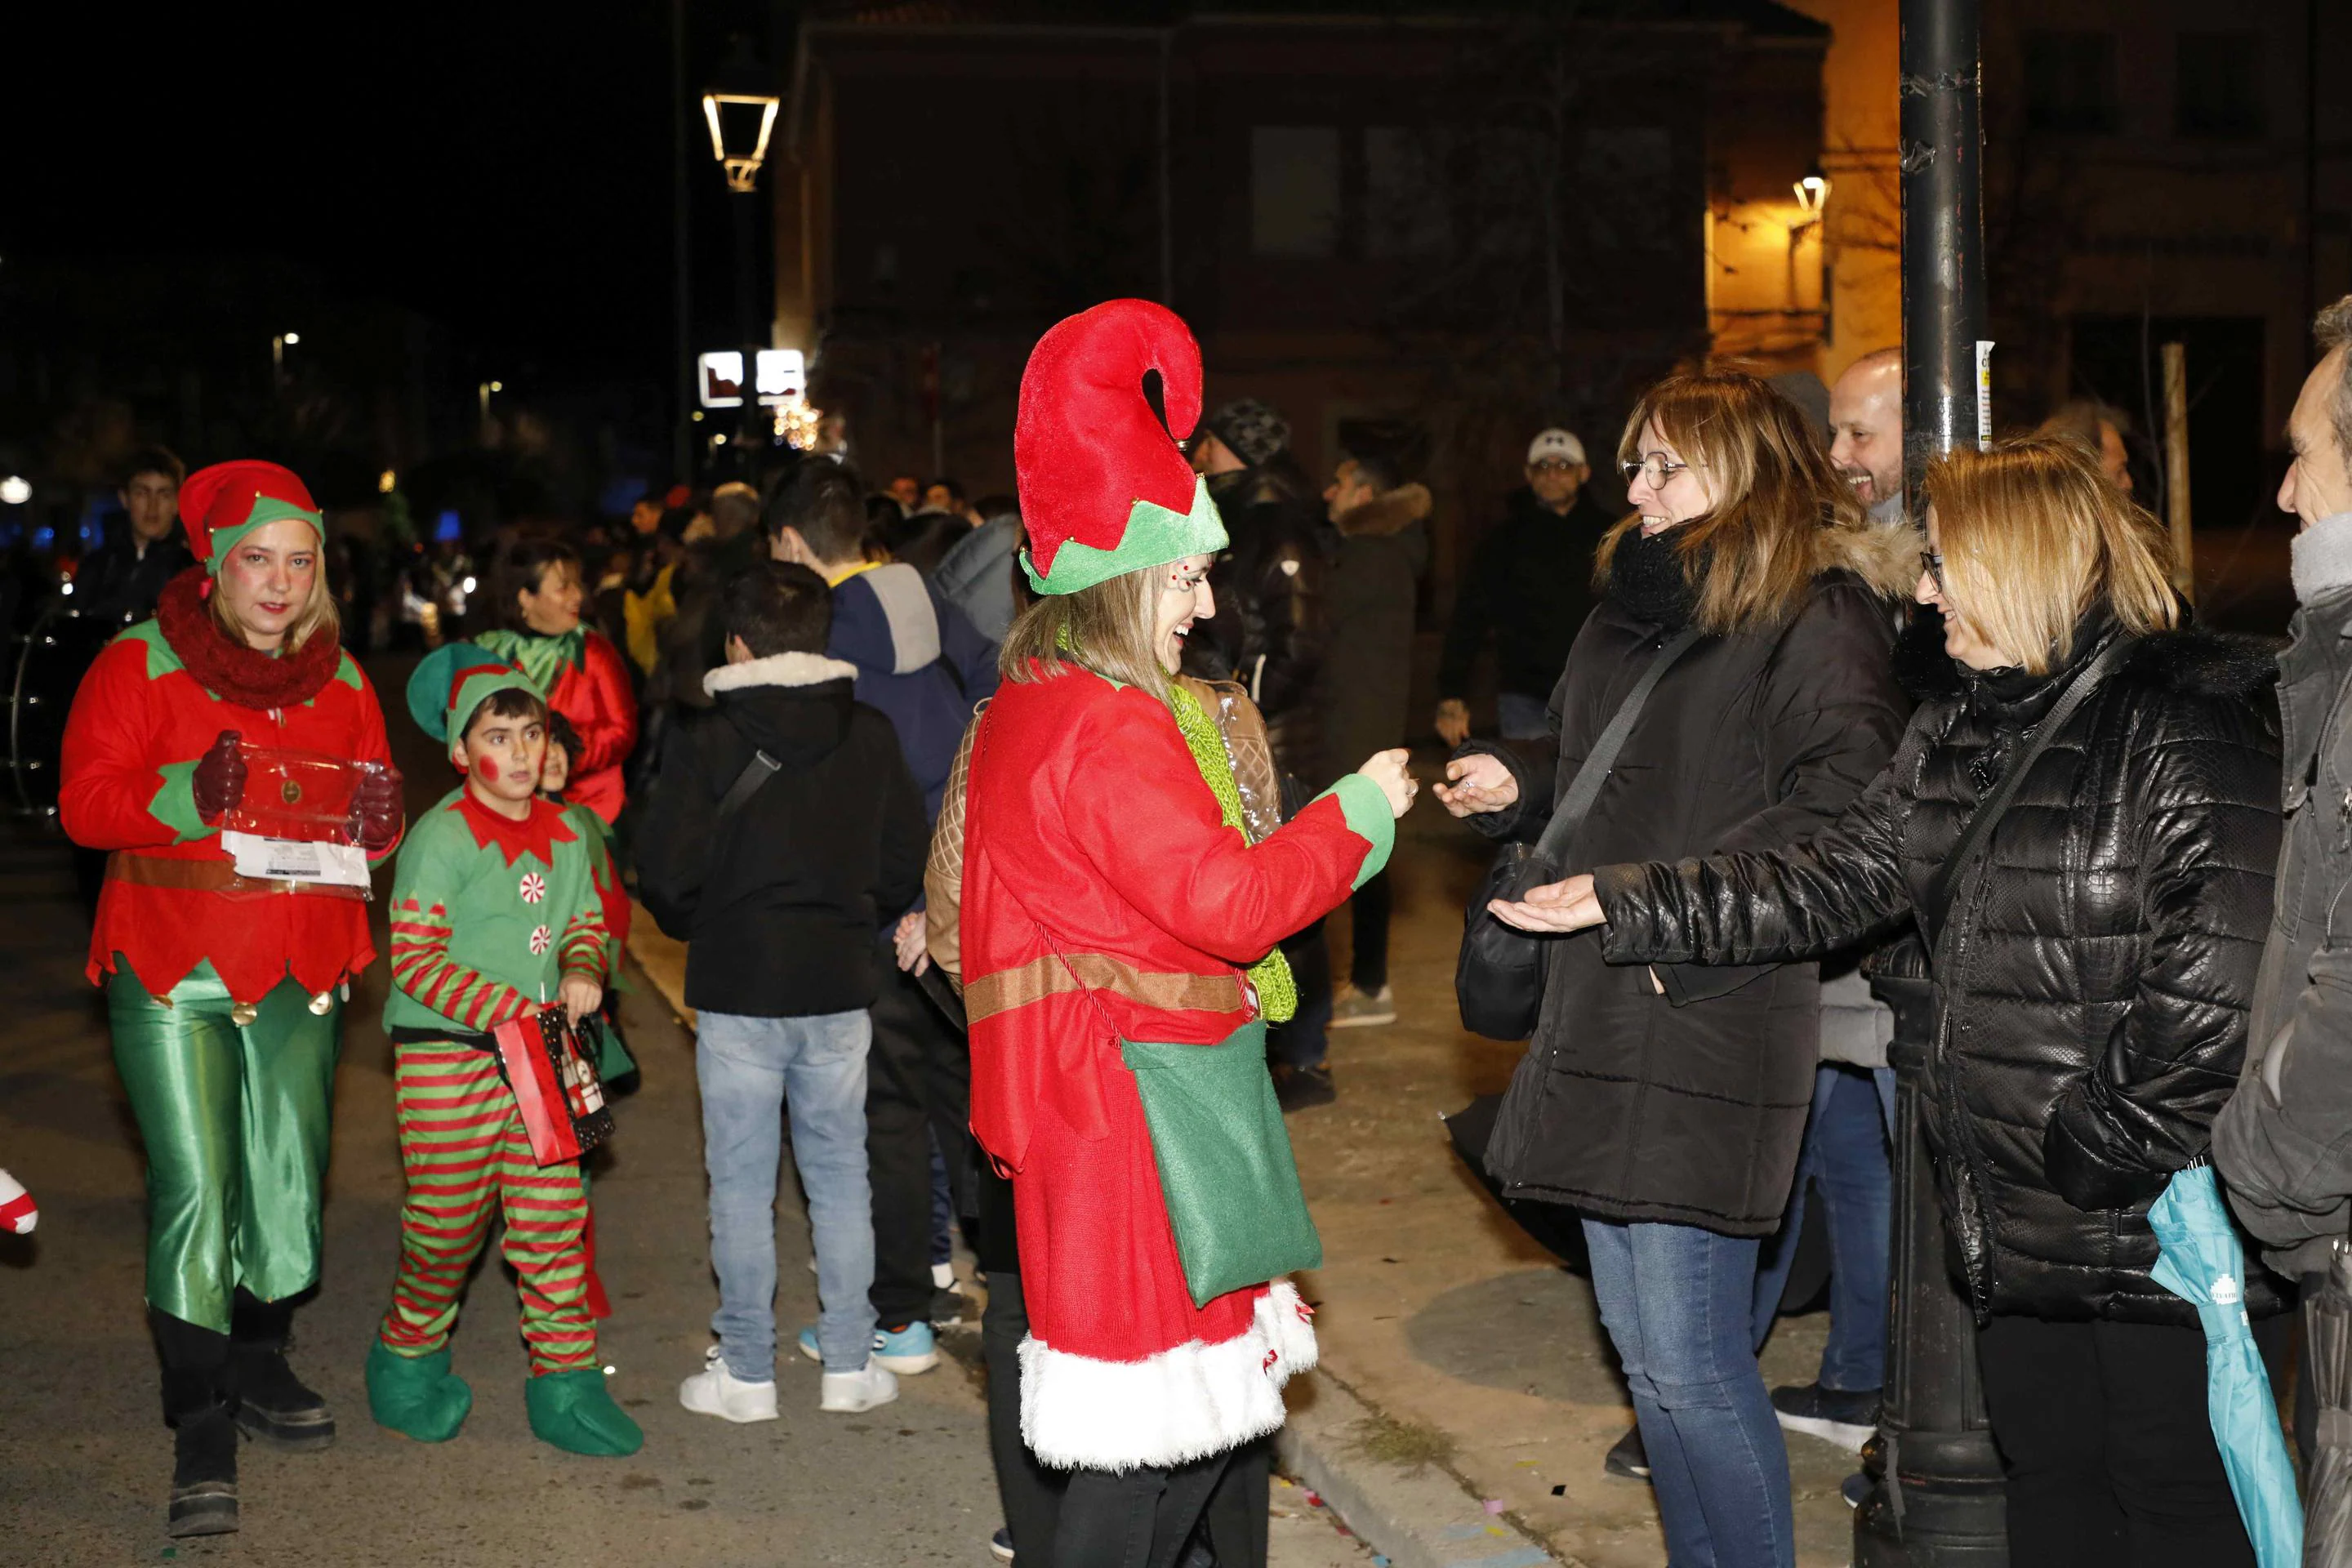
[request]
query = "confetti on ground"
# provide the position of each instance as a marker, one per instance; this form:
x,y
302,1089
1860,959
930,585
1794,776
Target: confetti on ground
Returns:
x,y
1493,1505
1314,1500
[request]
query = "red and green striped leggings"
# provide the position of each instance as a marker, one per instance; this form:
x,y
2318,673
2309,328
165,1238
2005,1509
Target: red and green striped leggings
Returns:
x,y
463,1147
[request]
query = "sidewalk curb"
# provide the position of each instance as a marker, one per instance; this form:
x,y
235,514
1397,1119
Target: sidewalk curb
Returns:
x,y
1417,1516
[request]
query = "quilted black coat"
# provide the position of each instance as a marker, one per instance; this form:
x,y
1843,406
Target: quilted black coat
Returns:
x,y
2100,960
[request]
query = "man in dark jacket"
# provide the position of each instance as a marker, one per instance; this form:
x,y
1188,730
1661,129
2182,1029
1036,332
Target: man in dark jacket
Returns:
x,y
1529,587
1383,523
124,577
2281,1141
783,829
926,667
1272,585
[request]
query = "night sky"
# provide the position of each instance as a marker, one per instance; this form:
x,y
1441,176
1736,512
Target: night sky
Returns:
x,y
502,166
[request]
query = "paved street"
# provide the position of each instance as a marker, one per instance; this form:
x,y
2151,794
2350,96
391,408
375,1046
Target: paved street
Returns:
x,y
85,1461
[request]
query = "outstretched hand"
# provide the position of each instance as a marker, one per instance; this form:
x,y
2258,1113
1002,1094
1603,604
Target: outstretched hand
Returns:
x,y
1554,907
1476,784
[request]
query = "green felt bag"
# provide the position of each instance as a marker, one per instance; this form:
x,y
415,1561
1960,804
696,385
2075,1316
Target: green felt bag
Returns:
x,y
1225,1159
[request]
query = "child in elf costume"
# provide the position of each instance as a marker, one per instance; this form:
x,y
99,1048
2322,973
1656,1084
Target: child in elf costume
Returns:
x,y
494,914
1119,929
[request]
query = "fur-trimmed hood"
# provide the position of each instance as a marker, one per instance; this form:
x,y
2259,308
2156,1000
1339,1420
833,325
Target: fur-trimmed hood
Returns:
x,y
778,669
1390,512
2192,659
1885,556
794,706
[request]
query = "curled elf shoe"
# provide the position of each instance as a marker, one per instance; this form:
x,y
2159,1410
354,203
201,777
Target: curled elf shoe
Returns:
x,y
272,1403
203,1473
574,1412
417,1397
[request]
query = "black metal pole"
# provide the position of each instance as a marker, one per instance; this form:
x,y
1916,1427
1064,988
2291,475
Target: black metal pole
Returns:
x,y
1936,1501
753,432
684,378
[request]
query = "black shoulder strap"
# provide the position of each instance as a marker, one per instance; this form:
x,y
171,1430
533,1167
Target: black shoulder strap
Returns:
x,y
1585,788
1935,907
757,771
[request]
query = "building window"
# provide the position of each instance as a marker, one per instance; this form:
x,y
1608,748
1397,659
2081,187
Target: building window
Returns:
x,y
1405,195
1294,190
2070,83
2217,87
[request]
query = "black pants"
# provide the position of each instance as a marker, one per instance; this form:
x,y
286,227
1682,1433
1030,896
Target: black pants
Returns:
x,y
2106,1446
1145,1517
1368,967
1030,1493
917,1085
1303,1041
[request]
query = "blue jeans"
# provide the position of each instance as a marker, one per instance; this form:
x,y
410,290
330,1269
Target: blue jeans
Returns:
x,y
1675,1299
1519,717
751,1071
1845,1151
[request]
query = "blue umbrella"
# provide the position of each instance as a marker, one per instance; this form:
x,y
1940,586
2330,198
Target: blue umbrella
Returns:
x,y
2203,1264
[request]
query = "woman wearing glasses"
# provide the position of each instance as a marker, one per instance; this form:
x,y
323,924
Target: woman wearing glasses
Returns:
x,y
2097,960
1668,1103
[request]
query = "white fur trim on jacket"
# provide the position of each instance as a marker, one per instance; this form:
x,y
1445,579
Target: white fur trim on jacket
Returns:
x,y
1182,1404
778,669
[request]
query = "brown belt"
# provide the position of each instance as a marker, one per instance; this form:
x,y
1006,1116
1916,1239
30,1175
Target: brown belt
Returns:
x,y
1047,976
190,876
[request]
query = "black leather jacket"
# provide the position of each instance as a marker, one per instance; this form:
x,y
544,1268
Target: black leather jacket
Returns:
x,y
1271,628
2099,965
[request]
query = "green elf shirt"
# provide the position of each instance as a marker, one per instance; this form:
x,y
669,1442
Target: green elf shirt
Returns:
x,y
488,914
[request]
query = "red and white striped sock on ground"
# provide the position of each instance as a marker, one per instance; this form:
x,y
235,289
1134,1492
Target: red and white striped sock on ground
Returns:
x,y
17,1213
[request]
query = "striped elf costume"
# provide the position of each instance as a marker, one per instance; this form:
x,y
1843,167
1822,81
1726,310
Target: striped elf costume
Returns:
x,y
487,915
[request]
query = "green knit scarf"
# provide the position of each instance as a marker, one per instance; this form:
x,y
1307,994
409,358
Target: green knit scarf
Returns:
x,y
1277,995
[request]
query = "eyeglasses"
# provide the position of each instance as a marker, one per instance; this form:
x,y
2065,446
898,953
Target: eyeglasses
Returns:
x,y
1656,469
1933,561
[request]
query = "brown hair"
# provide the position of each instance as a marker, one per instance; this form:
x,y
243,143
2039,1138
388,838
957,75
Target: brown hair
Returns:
x,y
320,612
1774,491
2034,534
522,569
2333,329
1106,629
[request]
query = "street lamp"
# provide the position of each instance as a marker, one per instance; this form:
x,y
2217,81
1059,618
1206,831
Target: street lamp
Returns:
x,y
740,108
277,347
1812,194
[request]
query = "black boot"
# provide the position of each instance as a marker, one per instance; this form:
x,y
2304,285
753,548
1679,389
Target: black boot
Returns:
x,y
271,1403
203,1467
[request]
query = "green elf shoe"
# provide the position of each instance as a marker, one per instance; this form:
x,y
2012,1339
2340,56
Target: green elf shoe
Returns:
x,y
573,1411
418,1396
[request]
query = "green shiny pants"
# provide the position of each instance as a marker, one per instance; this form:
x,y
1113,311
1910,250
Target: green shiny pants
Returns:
x,y
233,1105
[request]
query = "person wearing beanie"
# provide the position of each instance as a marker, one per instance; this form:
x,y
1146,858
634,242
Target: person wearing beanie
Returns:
x,y
225,987
496,915
1117,940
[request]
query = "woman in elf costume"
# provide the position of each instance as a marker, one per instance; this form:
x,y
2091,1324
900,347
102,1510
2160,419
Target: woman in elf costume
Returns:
x,y
583,674
1118,931
225,1000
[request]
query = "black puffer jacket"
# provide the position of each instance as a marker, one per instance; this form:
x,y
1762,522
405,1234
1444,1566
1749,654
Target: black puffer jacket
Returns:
x,y
1688,1108
2099,963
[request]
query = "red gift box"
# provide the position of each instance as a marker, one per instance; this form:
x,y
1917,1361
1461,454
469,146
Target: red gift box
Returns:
x,y
555,1086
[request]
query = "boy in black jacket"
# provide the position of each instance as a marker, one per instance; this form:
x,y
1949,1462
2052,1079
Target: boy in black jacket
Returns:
x,y
784,830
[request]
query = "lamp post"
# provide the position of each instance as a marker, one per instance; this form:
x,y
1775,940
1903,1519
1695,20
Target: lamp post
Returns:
x,y
1938,1499
740,108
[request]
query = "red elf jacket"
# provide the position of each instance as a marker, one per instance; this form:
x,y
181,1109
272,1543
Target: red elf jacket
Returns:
x,y
589,685
1091,837
155,702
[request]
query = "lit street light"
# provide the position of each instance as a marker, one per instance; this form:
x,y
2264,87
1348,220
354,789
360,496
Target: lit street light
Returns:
x,y
15,490
740,108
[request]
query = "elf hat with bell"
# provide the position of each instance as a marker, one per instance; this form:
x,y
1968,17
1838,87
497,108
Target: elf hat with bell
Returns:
x,y
1105,488
456,679
222,504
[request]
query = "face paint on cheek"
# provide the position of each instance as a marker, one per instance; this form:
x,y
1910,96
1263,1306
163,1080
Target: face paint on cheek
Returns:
x,y
487,769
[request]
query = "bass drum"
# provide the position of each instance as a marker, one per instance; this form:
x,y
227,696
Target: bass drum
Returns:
x,y
46,666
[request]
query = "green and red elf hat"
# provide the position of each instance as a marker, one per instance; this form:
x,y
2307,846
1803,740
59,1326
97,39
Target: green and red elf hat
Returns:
x,y
456,679
222,504
1105,488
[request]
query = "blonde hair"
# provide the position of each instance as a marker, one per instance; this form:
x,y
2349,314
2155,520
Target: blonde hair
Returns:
x,y
1774,493
1106,629
320,612
2033,535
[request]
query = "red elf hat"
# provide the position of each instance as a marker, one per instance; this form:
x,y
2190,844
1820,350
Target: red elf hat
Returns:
x,y
222,504
1105,488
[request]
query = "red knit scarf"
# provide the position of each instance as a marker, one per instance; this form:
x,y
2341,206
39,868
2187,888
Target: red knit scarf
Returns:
x,y
245,675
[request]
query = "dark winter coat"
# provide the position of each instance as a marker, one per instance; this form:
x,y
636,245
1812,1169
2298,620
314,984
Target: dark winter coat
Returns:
x,y
1688,1108
918,660
119,585
1529,587
1368,677
2098,962
2280,1144
1272,586
779,910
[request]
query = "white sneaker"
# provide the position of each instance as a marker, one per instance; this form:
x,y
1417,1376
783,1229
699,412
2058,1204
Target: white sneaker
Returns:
x,y
715,1391
847,1393
1354,1009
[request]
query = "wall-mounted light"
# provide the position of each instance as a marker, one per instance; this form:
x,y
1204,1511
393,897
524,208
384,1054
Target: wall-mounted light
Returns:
x,y
1812,194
